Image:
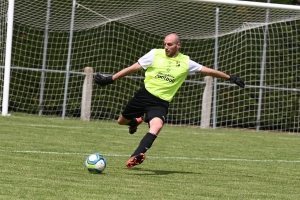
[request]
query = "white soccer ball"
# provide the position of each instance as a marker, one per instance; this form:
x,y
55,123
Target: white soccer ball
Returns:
x,y
95,163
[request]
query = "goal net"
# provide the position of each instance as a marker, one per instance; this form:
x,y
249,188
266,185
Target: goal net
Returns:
x,y
260,45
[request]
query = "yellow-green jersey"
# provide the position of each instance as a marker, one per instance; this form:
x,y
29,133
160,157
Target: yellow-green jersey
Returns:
x,y
164,75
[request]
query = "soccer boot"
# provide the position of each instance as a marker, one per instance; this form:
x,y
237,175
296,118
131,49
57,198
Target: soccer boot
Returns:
x,y
132,130
136,160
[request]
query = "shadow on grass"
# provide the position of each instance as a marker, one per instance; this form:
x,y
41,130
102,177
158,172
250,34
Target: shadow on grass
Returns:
x,y
161,172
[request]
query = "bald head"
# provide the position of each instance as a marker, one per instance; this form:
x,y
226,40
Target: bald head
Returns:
x,y
175,37
172,44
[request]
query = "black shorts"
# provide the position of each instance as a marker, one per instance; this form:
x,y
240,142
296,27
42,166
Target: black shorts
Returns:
x,y
144,102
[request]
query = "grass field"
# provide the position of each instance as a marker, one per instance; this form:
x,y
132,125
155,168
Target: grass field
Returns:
x,y
43,158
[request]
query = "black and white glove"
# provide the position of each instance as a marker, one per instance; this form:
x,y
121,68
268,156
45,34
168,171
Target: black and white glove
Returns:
x,y
237,80
103,80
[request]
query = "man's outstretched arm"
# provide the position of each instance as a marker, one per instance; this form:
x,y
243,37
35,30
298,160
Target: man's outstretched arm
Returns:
x,y
127,71
106,80
218,74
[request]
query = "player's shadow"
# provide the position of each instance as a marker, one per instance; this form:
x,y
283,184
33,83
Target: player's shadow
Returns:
x,y
160,172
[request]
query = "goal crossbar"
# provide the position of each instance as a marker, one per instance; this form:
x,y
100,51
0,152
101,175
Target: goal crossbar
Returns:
x,y
250,4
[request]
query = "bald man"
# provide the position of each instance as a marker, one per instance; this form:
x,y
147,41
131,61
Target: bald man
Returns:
x,y
165,71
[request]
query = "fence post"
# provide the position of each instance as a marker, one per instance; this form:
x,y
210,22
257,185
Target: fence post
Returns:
x,y
87,94
206,102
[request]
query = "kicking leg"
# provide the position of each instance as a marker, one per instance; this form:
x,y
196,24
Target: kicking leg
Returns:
x,y
139,156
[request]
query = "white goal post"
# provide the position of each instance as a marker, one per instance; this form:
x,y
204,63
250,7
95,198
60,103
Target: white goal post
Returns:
x,y
9,35
249,4
46,46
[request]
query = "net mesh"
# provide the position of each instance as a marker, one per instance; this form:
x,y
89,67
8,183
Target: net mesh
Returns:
x,y
111,35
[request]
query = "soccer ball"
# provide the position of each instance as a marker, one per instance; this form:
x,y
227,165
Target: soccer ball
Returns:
x,y
95,163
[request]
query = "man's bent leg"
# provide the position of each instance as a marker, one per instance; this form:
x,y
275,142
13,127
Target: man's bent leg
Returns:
x,y
123,121
133,124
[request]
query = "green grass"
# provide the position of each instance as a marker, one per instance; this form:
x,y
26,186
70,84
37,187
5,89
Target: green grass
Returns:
x,y
43,158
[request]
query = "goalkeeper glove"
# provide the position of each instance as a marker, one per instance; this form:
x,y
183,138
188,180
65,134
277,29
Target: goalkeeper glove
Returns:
x,y
237,81
103,80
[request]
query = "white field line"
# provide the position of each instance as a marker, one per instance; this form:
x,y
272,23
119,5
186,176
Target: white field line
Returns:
x,y
123,128
117,127
157,157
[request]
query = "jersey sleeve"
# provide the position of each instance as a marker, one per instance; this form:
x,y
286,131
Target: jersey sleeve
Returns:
x,y
194,67
146,60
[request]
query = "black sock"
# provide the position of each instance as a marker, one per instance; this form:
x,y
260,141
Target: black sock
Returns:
x,y
145,144
133,123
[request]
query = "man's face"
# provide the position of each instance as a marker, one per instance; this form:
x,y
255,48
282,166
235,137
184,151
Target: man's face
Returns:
x,y
171,47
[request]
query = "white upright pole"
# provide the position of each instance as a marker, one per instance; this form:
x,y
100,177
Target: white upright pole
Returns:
x,y
216,68
262,70
46,38
69,59
10,21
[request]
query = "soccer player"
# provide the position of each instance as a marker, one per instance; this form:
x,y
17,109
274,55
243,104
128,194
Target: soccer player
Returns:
x,y
166,69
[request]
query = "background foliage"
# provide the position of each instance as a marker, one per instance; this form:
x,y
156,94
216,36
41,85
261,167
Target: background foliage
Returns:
x,y
121,46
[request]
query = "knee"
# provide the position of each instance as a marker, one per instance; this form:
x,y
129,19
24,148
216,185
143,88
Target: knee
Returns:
x,y
155,129
123,121
156,125
119,121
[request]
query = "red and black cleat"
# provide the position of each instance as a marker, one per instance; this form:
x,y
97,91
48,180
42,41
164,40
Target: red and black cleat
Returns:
x,y
136,160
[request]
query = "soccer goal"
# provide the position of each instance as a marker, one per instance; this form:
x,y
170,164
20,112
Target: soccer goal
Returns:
x,y
53,43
